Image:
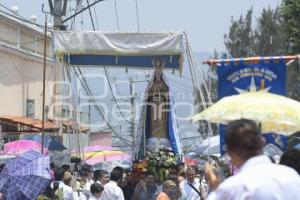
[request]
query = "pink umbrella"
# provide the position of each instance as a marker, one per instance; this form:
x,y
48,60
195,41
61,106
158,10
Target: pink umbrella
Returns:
x,y
21,146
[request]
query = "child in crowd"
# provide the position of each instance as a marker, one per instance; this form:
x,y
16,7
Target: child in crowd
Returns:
x,y
96,190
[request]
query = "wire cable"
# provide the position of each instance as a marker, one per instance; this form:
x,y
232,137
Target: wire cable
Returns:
x,y
3,6
24,20
110,87
20,73
137,14
78,4
98,108
117,16
96,18
90,13
114,98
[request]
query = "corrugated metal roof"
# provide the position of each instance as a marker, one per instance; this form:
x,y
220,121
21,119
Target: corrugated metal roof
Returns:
x,y
27,121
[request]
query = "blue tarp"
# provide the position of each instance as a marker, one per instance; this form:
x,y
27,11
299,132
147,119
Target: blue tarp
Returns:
x,y
49,142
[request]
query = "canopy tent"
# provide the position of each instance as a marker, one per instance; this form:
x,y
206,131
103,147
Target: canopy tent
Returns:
x,y
120,49
131,50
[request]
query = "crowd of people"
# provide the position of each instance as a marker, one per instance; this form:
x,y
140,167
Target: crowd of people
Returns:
x,y
257,178
89,184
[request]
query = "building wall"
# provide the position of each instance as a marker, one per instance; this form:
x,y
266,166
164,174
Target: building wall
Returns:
x,y
21,68
21,79
23,36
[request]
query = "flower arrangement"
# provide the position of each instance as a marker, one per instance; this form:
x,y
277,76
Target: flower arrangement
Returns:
x,y
161,158
140,166
160,162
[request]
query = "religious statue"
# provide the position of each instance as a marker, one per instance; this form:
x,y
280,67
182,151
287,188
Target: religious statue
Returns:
x,y
158,103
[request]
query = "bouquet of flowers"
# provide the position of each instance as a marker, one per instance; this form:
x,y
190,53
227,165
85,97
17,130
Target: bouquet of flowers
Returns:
x,y
160,162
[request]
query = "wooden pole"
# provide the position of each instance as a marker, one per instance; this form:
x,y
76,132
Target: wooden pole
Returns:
x,y
44,84
250,60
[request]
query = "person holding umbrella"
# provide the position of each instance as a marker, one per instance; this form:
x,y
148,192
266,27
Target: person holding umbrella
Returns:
x,y
258,177
25,177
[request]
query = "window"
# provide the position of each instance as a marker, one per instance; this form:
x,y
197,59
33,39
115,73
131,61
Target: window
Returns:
x,y
65,112
30,108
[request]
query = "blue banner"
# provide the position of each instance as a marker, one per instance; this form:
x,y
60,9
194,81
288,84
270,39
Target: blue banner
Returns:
x,y
170,61
235,78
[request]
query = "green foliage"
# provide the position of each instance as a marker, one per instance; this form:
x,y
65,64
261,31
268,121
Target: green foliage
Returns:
x,y
266,39
159,163
269,34
290,10
239,41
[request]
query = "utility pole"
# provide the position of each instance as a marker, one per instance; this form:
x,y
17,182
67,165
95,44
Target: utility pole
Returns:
x,y
44,83
132,102
90,115
58,10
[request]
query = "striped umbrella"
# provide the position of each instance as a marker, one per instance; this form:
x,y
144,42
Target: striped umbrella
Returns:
x,y
94,148
96,157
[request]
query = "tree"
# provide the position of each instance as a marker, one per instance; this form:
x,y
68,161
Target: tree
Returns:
x,y
239,41
290,10
269,36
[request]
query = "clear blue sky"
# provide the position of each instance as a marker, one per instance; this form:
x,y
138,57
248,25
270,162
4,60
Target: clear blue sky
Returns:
x,y
205,21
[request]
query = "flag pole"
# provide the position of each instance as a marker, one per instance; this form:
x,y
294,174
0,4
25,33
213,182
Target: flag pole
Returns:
x,y
250,60
44,83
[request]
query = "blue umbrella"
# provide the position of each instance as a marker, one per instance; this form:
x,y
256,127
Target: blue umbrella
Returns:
x,y
50,143
25,177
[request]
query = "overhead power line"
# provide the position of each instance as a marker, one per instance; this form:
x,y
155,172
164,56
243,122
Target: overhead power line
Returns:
x,y
114,98
80,11
24,20
96,17
109,84
3,6
98,108
137,14
117,16
90,13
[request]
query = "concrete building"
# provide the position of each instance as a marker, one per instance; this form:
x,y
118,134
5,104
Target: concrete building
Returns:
x,y
21,70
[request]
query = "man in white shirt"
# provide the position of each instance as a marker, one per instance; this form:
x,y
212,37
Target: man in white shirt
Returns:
x,y
258,177
101,177
65,188
190,188
111,190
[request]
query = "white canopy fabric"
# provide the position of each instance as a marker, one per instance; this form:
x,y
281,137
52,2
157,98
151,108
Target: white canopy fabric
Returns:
x,y
117,43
